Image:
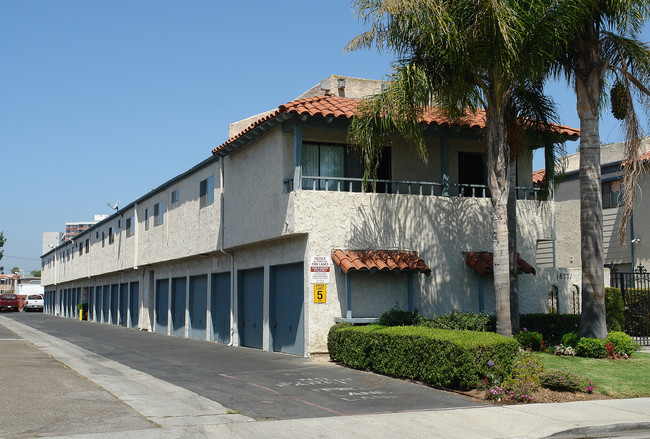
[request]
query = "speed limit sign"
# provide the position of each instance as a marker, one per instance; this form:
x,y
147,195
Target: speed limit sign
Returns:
x,y
320,293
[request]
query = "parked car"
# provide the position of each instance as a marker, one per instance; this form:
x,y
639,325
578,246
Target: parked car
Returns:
x,y
34,302
8,302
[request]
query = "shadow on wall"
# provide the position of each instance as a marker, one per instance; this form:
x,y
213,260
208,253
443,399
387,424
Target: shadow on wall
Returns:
x,y
439,229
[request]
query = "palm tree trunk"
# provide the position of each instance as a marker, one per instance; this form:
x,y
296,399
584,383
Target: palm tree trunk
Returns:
x,y
498,155
512,247
589,83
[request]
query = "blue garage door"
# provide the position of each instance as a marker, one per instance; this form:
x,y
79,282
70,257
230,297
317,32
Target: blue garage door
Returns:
x,y
91,302
106,303
198,306
115,290
124,303
250,301
162,305
134,304
98,304
220,307
178,306
286,308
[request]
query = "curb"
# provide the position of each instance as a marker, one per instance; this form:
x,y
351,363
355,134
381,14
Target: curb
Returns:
x,y
612,430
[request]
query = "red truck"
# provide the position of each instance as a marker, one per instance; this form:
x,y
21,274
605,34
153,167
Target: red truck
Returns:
x,y
8,302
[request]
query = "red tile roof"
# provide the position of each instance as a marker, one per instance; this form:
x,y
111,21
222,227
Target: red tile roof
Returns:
x,y
344,108
380,260
645,157
483,261
539,175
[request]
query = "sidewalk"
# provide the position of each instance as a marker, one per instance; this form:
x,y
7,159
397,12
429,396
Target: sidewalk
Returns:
x,y
182,413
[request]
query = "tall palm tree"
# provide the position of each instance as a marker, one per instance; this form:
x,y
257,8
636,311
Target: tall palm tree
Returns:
x,y
456,56
604,46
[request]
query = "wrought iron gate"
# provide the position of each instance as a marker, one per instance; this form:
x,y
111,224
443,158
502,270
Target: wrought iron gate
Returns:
x,y
635,288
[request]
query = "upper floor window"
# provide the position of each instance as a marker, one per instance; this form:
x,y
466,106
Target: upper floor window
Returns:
x,y
130,227
103,237
146,219
158,213
87,245
81,248
206,192
175,196
611,194
111,238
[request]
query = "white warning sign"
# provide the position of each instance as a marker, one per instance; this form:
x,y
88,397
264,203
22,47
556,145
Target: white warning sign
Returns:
x,y
319,270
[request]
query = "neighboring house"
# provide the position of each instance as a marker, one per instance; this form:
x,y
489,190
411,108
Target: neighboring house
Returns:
x,y
275,237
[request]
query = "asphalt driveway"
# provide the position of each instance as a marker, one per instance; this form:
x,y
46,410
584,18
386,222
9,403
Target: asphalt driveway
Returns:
x,y
262,385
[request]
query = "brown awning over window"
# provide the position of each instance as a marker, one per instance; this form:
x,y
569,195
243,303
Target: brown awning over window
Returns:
x,y
482,262
379,260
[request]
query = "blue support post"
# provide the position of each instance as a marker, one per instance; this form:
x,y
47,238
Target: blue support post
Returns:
x,y
444,165
481,294
348,287
297,156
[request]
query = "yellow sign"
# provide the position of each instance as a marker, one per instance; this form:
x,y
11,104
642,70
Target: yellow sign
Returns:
x,y
320,293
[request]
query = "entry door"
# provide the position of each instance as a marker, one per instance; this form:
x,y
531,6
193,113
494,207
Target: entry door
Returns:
x,y
250,301
106,302
124,303
286,308
178,306
220,307
198,306
114,303
162,305
134,304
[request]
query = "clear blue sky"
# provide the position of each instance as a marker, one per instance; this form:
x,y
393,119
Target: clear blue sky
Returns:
x,y
104,100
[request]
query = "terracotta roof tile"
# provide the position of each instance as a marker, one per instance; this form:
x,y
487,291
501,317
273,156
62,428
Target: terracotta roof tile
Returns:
x,y
483,261
380,260
344,108
539,175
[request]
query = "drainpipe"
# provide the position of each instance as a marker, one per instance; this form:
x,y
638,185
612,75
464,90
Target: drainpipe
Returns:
x,y
230,255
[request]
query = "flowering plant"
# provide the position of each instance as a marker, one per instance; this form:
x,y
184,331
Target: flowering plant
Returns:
x,y
564,350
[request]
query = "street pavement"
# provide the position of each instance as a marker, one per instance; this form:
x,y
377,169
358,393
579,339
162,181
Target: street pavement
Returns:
x,y
126,383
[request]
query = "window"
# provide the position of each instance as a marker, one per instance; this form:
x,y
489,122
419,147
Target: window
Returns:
x,y
472,176
87,245
130,228
81,248
158,213
206,192
119,223
611,194
111,238
97,235
175,196
146,219
102,239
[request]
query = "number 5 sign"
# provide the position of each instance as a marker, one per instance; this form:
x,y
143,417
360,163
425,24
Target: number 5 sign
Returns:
x,y
320,293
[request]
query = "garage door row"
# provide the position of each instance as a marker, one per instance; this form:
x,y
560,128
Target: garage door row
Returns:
x,y
209,315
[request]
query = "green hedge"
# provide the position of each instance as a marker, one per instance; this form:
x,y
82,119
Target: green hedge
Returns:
x,y
614,309
444,358
551,326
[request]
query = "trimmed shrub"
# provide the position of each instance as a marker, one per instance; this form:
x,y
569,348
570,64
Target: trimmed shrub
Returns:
x,y
462,321
397,317
614,309
530,340
591,348
622,343
570,339
455,359
551,326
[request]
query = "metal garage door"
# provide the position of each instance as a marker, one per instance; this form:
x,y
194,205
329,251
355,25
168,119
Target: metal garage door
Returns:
x,y
114,303
250,301
162,305
134,304
124,303
178,306
220,307
105,303
198,306
91,302
98,304
286,309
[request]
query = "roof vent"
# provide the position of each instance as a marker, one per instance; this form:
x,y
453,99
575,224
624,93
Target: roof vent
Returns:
x,y
341,83
325,85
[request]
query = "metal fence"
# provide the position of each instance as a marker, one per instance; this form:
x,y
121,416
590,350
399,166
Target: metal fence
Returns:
x,y
635,288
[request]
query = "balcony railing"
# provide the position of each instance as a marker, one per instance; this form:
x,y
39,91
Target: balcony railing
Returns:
x,y
349,184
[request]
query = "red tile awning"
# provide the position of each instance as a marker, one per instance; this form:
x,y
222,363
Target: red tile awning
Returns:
x,y
482,262
379,260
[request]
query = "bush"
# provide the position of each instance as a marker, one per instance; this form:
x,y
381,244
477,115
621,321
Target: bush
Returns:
x,y
530,340
462,321
551,326
614,309
570,339
566,381
564,350
397,317
591,348
622,343
456,359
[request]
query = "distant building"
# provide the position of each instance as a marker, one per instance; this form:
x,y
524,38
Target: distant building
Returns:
x,y
51,240
73,229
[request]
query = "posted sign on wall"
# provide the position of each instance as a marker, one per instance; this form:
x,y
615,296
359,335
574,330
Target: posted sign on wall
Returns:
x,y
319,270
320,293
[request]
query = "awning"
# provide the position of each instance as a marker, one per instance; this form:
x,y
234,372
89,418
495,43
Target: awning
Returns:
x,y
482,262
379,260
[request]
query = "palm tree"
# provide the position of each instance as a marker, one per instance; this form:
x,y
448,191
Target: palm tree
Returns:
x,y
456,56
604,46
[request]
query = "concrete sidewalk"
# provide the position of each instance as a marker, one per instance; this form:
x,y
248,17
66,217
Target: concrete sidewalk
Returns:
x,y
182,413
